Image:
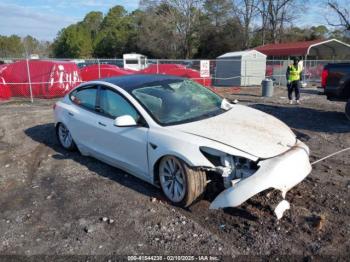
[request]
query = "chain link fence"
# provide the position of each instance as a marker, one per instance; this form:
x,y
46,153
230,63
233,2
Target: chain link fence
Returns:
x,y
51,78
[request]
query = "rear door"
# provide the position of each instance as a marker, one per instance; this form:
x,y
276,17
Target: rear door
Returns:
x,y
124,147
81,117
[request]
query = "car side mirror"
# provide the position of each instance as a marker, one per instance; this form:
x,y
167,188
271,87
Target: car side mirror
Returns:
x,y
124,121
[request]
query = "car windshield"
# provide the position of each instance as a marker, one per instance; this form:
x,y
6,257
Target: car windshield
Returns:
x,y
178,101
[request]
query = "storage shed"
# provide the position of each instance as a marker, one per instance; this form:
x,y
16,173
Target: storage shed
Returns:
x,y
243,68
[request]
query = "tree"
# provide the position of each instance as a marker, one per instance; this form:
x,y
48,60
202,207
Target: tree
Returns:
x,y
45,49
220,29
73,42
216,42
280,12
184,14
343,14
157,35
170,27
218,11
11,47
135,25
92,21
318,32
262,11
339,34
246,10
276,16
31,45
115,31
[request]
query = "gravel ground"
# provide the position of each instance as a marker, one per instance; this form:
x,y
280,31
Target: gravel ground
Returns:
x,y
57,202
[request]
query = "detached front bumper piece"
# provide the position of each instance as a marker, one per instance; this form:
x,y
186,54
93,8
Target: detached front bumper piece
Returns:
x,y
281,172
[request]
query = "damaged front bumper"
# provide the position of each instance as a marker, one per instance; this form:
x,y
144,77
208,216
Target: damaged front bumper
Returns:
x,y
281,172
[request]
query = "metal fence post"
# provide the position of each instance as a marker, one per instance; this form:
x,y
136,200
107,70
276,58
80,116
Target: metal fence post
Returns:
x,y
30,82
280,73
99,68
245,73
319,76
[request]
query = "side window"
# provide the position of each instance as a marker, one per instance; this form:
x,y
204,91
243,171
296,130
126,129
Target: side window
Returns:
x,y
85,97
113,105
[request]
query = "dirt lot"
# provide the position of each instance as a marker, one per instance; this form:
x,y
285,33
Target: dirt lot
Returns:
x,y
54,202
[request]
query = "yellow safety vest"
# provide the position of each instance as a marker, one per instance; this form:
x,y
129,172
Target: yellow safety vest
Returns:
x,y
294,73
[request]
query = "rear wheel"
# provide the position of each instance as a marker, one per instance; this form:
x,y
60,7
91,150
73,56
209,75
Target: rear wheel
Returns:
x,y
181,184
347,109
64,137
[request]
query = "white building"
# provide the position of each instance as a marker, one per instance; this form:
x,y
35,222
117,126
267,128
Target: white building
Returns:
x,y
243,68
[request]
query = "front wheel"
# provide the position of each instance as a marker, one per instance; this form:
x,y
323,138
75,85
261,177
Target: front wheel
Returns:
x,y
181,184
64,137
347,109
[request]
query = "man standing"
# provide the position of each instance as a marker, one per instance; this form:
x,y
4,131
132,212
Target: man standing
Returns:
x,y
293,75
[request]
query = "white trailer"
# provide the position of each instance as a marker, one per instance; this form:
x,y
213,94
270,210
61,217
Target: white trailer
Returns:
x,y
135,62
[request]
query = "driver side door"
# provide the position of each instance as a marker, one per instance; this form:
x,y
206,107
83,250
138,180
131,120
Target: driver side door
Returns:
x,y
124,147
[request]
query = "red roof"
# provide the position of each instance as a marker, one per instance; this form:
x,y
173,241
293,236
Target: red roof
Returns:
x,y
287,49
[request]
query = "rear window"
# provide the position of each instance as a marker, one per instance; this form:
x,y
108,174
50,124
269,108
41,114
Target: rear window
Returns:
x,y
85,97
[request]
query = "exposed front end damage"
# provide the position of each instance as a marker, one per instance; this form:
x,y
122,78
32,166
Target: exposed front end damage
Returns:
x,y
282,172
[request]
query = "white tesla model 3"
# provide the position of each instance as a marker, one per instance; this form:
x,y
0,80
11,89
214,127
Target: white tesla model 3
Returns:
x,y
170,131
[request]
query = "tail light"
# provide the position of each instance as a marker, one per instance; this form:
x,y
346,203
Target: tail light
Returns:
x,y
324,78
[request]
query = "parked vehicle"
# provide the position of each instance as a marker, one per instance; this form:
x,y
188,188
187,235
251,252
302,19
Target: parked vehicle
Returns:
x,y
135,62
336,83
171,131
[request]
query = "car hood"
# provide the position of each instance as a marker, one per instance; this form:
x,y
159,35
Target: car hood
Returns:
x,y
244,128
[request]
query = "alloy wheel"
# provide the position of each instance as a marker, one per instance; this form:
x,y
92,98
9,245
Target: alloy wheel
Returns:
x,y
172,179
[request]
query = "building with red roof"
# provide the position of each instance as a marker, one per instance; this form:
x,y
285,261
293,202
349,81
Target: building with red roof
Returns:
x,y
317,49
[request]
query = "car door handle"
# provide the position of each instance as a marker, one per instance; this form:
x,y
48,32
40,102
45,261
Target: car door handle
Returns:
x,y
70,113
102,124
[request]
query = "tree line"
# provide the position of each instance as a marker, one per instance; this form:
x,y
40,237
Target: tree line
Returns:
x,y
16,47
176,29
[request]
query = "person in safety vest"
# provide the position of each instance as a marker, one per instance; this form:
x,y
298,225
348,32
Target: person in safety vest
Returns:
x,y
293,80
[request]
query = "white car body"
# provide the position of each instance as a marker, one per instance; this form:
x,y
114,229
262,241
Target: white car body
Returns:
x,y
241,131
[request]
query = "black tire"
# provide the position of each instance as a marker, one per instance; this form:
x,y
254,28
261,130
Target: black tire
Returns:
x,y
194,182
347,109
197,180
68,146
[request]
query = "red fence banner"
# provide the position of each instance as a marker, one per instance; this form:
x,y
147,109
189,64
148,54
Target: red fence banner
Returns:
x,y
94,72
48,78
5,93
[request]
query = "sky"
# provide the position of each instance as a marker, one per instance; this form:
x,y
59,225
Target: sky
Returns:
x,y
44,18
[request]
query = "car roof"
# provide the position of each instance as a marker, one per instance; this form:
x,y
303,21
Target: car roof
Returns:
x,y
131,82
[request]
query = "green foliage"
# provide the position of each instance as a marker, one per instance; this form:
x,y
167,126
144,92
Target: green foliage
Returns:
x,y
15,47
294,34
31,45
96,35
172,29
115,32
220,31
92,22
11,46
157,33
73,42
